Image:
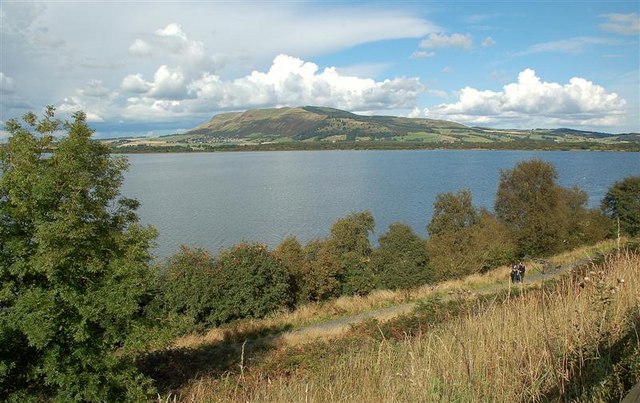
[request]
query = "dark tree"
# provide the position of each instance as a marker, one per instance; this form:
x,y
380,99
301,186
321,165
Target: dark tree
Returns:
x,y
73,267
622,202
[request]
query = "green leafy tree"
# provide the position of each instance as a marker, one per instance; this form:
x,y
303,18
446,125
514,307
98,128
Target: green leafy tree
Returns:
x,y
622,202
529,201
452,212
319,278
401,259
292,256
544,217
349,242
73,267
463,239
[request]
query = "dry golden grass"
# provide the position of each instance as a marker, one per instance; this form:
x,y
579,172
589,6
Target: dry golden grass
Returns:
x,y
513,351
353,305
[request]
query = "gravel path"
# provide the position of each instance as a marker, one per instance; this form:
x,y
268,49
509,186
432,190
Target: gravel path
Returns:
x,y
337,326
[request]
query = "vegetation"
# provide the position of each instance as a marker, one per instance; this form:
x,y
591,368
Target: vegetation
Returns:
x,y
312,127
73,268
570,340
622,202
80,298
544,217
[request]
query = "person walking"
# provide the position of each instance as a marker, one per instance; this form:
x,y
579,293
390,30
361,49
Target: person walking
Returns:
x,y
521,270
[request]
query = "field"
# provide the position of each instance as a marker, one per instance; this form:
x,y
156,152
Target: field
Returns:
x,y
573,337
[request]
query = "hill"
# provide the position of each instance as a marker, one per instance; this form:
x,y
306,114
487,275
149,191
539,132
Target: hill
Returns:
x,y
302,127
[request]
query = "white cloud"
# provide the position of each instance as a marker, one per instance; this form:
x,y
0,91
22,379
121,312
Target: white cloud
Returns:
x,y
140,48
624,24
447,70
6,83
488,42
570,46
94,88
440,40
136,84
292,82
421,54
167,83
536,103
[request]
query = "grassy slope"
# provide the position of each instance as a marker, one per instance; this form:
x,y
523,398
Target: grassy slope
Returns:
x,y
311,126
532,348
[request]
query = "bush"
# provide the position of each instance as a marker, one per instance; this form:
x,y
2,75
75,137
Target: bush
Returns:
x,y
254,283
188,291
244,281
401,260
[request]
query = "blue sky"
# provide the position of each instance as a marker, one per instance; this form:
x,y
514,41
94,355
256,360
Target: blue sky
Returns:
x,y
150,68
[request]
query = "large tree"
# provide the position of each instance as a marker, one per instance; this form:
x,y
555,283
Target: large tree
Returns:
x,y
544,217
465,239
622,202
73,267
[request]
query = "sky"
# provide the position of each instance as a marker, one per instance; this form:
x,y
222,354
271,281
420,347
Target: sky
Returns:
x,y
145,68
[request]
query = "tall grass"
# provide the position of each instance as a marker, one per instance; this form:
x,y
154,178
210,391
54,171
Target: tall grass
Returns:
x,y
547,344
353,305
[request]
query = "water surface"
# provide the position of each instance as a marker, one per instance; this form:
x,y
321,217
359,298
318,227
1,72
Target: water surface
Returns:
x,y
214,200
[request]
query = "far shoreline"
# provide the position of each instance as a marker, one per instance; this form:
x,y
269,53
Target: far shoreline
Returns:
x,y
374,146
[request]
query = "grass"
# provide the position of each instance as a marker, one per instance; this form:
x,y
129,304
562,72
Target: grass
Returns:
x,y
353,305
576,340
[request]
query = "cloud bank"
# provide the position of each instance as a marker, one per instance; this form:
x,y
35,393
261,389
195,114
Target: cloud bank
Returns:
x,y
531,102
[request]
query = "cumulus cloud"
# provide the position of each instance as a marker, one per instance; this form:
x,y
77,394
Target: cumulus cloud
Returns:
x,y
291,82
624,24
140,48
173,41
167,83
536,103
136,84
6,83
440,40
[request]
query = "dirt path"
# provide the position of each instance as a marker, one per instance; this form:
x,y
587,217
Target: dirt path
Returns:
x,y
341,325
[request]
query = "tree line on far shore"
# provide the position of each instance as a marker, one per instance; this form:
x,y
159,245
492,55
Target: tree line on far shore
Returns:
x,y
80,297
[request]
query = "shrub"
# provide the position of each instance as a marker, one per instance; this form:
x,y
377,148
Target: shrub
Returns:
x,y
401,260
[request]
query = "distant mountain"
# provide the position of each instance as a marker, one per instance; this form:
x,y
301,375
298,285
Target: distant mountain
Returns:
x,y
314,127
318,123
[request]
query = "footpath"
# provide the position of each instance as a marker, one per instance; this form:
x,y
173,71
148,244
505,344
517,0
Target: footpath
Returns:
x,y
341,325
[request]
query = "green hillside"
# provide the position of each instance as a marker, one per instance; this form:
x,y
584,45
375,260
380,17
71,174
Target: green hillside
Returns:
x,y
312,127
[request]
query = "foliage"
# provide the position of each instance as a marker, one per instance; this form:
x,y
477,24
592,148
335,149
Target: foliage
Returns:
x,y
476,248
198,290
351,234
320,272
401,260
292,256
452,212
622,202
253,283
187,290
73,267
349,242
544,217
